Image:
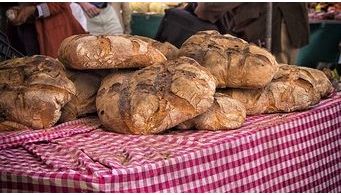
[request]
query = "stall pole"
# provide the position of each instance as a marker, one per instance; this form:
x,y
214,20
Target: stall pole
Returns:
x,y
268,22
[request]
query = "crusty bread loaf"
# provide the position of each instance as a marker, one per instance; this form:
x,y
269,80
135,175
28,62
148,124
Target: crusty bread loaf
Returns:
x,y
167,49
106,52
155,98
280,96
33,90
84,101
233,62
225,113
292,89
317,78
255,101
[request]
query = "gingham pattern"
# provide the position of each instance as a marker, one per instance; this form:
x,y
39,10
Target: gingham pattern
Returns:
x,y
296,152
17,138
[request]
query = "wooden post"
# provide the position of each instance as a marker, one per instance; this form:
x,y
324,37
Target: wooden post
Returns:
x,y
268,23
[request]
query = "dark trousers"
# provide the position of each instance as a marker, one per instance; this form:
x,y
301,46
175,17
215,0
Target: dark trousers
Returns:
x,y
24,38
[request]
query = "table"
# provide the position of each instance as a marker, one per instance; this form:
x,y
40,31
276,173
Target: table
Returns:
x,y
295,152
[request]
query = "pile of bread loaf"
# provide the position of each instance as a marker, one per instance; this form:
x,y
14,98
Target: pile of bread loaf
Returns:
x,y
137,85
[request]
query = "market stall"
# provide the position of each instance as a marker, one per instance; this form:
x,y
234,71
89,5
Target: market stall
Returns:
x,y
325,35
146,17
296,152
126,113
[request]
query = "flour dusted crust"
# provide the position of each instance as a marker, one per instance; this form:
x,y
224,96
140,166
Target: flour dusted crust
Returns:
x,y
155,98
106,52
33,91
234,62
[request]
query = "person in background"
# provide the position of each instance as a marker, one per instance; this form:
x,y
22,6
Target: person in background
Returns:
x,y
39,28
122,9
79,14
101,18
290,28
3,19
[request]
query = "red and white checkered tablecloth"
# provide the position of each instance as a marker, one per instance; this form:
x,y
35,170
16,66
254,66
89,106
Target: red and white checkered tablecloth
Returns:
x,y
296,152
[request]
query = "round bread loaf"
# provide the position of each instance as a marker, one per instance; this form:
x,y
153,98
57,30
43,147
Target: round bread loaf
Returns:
x,y
155,98
232,61
33,90
225,113
106,52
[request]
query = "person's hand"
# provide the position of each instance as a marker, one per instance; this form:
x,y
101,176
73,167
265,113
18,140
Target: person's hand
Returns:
x,y
23,14
12,13
90,9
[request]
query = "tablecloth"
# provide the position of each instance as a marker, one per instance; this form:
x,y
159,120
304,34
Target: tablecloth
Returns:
x,y
295,152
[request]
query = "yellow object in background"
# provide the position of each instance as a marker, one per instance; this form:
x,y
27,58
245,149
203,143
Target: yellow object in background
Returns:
x,y
139,7
152,7
156,7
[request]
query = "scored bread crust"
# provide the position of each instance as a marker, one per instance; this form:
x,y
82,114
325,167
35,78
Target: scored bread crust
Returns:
x,y
169,50
225,113
33,90
292,89
234,62
155,98
107,52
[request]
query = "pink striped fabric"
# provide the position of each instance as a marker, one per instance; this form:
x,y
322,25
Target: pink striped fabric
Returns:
x,y
296,152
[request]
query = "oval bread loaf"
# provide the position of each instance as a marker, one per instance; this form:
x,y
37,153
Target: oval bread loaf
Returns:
x,y
225,113
232,61
255,101
318,78
33,90
106,52
292,89
155,98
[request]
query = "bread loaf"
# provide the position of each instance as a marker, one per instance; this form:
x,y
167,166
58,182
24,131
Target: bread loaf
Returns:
x,y
255,101
232,61
106,52
33,90
155,98
292,89
317,78
167,49
225,113
84,101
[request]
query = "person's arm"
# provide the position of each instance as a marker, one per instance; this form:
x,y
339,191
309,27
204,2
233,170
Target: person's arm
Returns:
x,y
213,11
45,10
22,14
41,10
90,9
